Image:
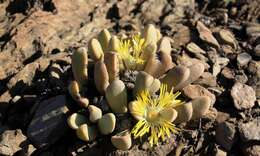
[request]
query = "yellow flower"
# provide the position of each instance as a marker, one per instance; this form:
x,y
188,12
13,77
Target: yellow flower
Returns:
x,y
153,114
130,51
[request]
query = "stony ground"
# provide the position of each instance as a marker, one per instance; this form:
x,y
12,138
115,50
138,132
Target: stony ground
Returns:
x,y
37,38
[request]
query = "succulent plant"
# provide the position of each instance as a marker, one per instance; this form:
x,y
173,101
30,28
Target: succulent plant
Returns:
x,y
122,140
146,81
104,38
101,76
95,113
178,77
154,106
76,120
86,133
79,65
192,110
135,52
200,106
117,97
107,123
95,50
75,93
112,64
154,115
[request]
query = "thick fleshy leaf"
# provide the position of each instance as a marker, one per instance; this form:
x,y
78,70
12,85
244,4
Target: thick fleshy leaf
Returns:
x,y
79,61
122,140
117,97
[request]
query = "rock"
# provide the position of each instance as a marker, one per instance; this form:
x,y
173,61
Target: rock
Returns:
x,y
228,73
195,91
33,35
225,135
254,67
180,7
253,150
195,49
25,76
257,50
182,36
207,79
243,59
11,141
222,116
152,10
228,38
4,103
164,148
250,130
49,122
125,7
206,35
253,30
243,96
220,63
241,77
211,115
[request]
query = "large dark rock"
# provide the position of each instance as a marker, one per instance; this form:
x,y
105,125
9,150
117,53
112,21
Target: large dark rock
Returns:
x,y
49,122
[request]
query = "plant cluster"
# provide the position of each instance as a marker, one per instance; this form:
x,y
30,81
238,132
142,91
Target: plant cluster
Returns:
x,y
154,105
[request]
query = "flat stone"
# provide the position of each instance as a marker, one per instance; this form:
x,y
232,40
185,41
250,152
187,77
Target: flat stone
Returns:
x,y
243,96
228,38
11,141
182,36
254,67
228,73
207,79
206,35
243,59
195,91
250,130
220,63
225,135
49,122
195,49
152,10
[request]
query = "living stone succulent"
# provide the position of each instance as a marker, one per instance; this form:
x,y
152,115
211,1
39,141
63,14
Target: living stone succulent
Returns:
x,y
117,97
86,133
76,120
79,65
153,101
107,123
95,113
122,140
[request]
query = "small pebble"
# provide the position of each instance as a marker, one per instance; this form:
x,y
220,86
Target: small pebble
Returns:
x,y
243,59
243,96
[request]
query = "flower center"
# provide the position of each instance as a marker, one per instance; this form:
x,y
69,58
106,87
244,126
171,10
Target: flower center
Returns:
x,y
152,115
